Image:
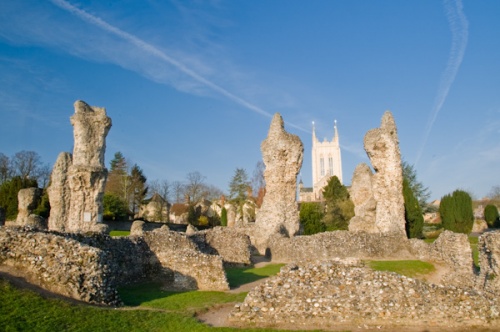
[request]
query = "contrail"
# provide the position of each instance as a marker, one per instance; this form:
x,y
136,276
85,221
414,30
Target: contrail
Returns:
x,y
96,21
459,35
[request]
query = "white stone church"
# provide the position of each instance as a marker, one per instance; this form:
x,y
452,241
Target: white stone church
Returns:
x,y
326,162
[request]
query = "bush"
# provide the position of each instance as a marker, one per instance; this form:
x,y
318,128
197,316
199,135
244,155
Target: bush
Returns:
x,y
223,217
456,212
310,218
491,215
114,208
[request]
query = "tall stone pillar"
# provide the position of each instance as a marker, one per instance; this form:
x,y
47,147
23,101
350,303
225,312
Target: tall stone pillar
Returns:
x,y
282,154
378,197
59,193
87,174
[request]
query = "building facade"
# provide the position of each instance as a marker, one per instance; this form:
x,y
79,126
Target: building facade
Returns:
x,y
326,162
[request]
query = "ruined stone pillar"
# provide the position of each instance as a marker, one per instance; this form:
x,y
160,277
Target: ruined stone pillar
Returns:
x,y
87,174
59,193
28,200
282,154
386,194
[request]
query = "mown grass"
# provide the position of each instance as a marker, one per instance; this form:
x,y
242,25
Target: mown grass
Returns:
x,y
148,309
119,233
409,268
238,276
152,296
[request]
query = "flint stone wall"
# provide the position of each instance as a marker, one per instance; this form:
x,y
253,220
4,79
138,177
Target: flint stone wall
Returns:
x,y
489,260
191,268
342,244
60,264
452,249
333,293
90,268
233,246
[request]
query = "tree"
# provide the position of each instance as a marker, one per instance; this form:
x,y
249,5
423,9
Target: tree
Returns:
x,y
223,217
491,215
5,169
8,194
178,189
456,212
138,188
258,180
114,207
25,164
421,193
311,214
118,180
494,193
195,187
413,213
339,207
238,187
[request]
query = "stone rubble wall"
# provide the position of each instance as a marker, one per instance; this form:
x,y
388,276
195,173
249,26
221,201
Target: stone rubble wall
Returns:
x,y
342,244
60,264
489,260
90,268
453,250
232,245
192,269
333,293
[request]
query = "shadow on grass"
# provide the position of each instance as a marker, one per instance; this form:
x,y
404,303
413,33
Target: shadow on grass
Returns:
x,y
238,276
152,296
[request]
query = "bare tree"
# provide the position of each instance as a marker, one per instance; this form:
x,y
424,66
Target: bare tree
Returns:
x,y
178,191
258,181
5,169
44,175
26,164
195,187
494,193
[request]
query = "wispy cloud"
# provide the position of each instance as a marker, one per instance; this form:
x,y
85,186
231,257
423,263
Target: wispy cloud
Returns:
x,y
460,33
157,53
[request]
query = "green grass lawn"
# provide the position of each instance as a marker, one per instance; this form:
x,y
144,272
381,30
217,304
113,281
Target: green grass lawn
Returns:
x,y
148,308
119,233
238,276
409,268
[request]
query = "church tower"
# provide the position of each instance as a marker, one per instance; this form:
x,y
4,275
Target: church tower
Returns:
x,y
326,162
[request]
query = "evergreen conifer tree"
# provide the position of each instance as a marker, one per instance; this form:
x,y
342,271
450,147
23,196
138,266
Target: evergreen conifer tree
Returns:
x,y
413,213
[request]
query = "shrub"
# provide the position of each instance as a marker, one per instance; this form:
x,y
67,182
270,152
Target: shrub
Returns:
x,y
310,217
114,208
456,212
223,217
491,215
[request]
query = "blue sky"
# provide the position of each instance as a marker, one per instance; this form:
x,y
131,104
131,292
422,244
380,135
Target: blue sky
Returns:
x,y
192,85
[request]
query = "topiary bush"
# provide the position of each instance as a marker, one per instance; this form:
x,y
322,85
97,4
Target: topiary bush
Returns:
x,y
491,215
